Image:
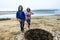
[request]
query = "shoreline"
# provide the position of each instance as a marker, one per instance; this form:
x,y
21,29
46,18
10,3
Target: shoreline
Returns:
x,y
14,15
33,17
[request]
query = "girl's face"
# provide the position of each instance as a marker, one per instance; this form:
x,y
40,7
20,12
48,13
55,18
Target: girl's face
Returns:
x,y
28,9
20,8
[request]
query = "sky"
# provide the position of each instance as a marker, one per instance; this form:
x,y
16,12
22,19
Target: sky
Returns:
x,y
12,5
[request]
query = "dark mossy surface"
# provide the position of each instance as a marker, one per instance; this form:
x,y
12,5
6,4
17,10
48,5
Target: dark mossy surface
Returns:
x,y
5,19
38,34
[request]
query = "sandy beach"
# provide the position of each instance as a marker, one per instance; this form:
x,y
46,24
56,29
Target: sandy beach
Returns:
x,y
10,30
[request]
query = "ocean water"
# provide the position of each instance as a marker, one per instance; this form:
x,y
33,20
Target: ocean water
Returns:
x,y
12,14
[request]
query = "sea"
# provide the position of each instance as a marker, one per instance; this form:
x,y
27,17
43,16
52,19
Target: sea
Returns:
x,y
12,14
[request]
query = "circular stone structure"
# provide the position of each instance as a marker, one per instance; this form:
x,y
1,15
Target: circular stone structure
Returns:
x,y
38,34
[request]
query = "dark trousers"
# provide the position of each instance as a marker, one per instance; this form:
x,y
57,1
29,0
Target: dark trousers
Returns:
x,y
28,21
22,25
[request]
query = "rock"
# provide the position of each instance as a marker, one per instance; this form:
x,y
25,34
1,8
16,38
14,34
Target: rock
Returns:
x,y
38,34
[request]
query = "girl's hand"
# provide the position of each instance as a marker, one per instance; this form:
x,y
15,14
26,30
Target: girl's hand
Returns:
x,y
18,20
32,13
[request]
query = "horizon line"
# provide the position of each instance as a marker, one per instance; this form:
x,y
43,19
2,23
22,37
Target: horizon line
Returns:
x,y
35,10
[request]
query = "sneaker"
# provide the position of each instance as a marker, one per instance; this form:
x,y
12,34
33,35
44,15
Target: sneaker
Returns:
x,y
29,28
22,31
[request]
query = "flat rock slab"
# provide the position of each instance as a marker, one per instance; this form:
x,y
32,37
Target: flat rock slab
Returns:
x,y
38,34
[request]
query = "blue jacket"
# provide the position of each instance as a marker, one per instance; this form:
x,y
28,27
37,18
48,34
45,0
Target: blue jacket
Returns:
x,y
20,15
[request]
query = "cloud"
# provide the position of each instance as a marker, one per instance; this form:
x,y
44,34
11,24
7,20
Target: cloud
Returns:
x,y
41,4
33,4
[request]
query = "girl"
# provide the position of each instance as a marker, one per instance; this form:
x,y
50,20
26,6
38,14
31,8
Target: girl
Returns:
x,y
21,16
28,16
